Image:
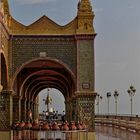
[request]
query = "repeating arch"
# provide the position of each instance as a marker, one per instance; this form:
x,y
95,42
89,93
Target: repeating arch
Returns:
x,y
4,76
38,74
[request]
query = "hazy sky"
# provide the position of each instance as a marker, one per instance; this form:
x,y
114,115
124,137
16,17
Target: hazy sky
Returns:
x,y
117,50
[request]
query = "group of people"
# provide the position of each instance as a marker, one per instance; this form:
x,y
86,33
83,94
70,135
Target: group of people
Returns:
x,y
55,116
49,116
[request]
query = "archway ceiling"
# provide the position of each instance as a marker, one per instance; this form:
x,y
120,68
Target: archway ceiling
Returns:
x,y
47,81
42,86
40,75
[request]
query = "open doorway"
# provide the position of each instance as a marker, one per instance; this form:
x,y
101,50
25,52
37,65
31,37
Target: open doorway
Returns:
x,y
56,103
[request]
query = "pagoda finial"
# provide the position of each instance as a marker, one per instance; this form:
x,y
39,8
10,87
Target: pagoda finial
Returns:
x,y
84,6
48,99
85,17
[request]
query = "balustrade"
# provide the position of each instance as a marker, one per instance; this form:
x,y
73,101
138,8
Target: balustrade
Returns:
x,y
124,122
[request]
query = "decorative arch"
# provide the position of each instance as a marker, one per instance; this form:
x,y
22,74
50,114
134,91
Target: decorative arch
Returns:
x,y
45,59
3,66
36,75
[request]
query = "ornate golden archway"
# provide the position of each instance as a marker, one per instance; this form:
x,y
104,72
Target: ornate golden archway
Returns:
x,y
35,76
45,54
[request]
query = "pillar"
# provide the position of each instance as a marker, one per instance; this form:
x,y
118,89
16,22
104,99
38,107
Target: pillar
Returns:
x,y
16,108
37,107
85,109
85,79
67,105
23,109
73,108
6,110
36,113
34,110
27,108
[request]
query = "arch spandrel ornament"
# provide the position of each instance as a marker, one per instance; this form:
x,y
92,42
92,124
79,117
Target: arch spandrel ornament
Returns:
x,y
81,24
43,26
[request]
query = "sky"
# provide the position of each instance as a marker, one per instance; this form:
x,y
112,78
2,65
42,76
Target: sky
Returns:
x,y
117,50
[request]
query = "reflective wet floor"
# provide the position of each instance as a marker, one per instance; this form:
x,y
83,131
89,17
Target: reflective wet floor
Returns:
x,y
102,133
111,133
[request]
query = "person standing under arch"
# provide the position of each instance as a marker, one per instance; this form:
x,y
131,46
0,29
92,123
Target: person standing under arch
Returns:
x,y
29,115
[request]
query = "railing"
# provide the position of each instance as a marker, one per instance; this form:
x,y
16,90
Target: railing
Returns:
x,y
127,122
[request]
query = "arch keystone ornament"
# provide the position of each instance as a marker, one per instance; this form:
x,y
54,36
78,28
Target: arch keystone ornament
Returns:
x,y
47,55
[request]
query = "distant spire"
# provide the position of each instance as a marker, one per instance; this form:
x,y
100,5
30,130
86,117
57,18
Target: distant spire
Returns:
x,y
84,6
85,17
48,99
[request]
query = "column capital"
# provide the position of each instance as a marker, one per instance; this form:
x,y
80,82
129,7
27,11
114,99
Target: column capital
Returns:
x,y
8,92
